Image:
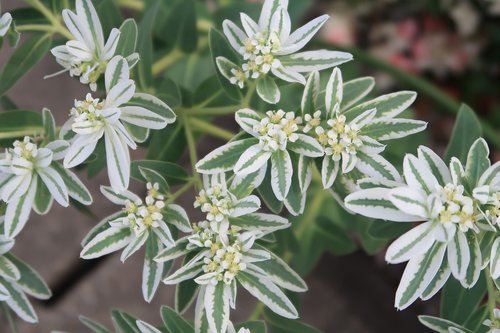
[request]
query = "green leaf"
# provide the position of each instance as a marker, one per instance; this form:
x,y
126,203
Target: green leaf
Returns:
x,y
173,322
153,104
128,38
388,230
476,319
109,13
174,174
31,282
143,69
181,25
43,198
217,306
220,47
154,177
477,162
93,325
185,294
283,325
15,124
23,59
123,322
167,144
467,129
268,89
453,294
49,124
267,194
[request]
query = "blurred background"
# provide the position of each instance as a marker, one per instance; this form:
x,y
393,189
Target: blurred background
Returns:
x,y
449,45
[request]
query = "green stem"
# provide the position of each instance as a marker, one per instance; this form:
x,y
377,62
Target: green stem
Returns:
x,y
55,20
210,111
10,320
257,312
163,63
180,191
208,128
193,155
29,131
137,5
248,97
36,27
421,85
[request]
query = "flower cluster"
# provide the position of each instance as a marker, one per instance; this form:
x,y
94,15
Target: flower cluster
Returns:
x,y
268,46
455,202
87,56
276,129
112,118
223,250
136,224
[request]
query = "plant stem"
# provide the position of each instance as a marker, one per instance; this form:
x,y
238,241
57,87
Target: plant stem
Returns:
x,y
421,85
193,156
245,103
35,27
163,63
207,128
257,312
29,131
180,191
10,320
55,20
210,111
131,4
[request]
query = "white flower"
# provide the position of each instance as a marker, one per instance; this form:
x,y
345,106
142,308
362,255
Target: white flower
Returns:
x,y
269,47
493,323
140,222
5,22
444,198
93,118
20,170
86,56
350,138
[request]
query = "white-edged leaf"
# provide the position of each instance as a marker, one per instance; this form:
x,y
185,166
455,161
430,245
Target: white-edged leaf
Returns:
x,y
310,95
76,189
146,328
436,164
105,242
251,160
475,263
418,175
393,128
174,252
441,325
56,185
409,201
116,71
459,255
246,206
8,270
152,271
19,303
310,61
375,203
334,91
268,293
438,281
411,244
418,273
139,116
217,306
176,215
268,90
300,37
18,211
224,158
135,244
306,145
281,173
184,273
118,160
389,105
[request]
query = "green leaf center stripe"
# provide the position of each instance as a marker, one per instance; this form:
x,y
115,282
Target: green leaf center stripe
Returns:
x,y
419,178
413,243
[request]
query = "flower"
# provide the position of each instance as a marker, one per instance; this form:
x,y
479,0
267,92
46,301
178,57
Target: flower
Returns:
x,y
276,135
220,260
220,204
93,118
138,223
5,22
350,136
21,170
223,252
269,47
493,323
446,198
87,56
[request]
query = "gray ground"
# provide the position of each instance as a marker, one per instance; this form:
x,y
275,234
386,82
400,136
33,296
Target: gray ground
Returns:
x,y
352,294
